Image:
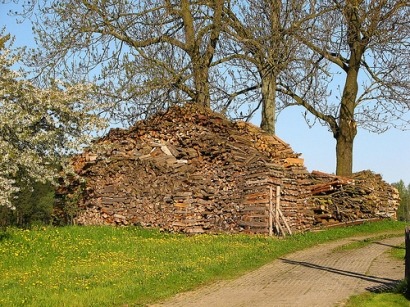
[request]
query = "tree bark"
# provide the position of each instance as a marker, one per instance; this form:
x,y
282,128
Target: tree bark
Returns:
x,y
200,71
347,128
347,124
201,81
268,103
201,60
269,70
344,152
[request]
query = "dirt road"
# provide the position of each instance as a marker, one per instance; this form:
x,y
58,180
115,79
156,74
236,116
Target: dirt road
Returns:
x,y
319,276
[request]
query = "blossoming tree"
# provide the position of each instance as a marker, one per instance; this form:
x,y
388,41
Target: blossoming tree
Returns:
x,y
39,126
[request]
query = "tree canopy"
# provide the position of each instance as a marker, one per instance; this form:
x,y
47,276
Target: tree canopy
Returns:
x,y
368,42
225,54
260,41
144,55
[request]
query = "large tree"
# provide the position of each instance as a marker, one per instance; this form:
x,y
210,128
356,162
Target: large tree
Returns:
x,y
150,53
144,55
263,53
38,126
368,41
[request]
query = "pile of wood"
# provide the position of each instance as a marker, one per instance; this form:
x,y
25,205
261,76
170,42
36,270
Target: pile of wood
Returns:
x,y
192,170
188,169
364,196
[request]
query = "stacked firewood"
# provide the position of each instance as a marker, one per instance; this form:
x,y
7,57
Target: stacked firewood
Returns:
x,y
188,169
192,170
338,199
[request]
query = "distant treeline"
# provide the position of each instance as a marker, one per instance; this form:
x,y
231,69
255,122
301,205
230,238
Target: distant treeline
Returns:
x,y
403,213
33,204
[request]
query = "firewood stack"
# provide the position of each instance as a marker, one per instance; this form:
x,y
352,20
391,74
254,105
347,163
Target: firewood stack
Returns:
x,y
191,170
338,199
188,169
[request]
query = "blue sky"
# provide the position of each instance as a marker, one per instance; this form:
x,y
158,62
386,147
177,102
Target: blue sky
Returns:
x,y
387,154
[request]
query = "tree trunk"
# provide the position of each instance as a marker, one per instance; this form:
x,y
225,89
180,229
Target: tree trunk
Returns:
x,y
200,68
201,81
347,128
270,68
347,124
344,153
268,103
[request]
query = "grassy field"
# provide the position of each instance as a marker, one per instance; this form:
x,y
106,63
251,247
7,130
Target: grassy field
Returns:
x,y
106,266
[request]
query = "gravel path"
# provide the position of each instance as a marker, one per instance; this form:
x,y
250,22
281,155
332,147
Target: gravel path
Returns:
x,y
318,276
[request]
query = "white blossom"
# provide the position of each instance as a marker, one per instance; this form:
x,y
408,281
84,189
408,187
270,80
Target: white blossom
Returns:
x,y
39,126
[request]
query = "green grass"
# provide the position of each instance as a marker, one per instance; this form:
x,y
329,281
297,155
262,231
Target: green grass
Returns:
x,y
393,298
378,300
106,266
398,252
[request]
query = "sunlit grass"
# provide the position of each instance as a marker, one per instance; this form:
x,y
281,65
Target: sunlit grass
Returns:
x,y
378,300
107,266
399,252
393,298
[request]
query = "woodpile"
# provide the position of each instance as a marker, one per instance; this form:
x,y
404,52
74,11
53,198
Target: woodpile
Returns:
x,y
192,170
364,196
189,170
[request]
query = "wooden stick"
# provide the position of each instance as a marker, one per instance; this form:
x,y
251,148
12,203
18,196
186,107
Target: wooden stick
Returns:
x,y
284,220
280,231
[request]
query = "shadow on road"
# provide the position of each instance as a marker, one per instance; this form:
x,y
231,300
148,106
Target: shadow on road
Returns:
x,y
389,245
384,283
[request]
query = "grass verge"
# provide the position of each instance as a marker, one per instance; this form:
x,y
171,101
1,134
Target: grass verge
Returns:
x,y
378,300
399,252
393,298
106,266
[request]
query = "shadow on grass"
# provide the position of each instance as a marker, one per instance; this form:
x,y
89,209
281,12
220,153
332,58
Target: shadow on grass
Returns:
x,y
4,235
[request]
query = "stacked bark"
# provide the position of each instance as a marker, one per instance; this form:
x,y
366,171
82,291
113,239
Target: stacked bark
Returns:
x,y
192,170
337,199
